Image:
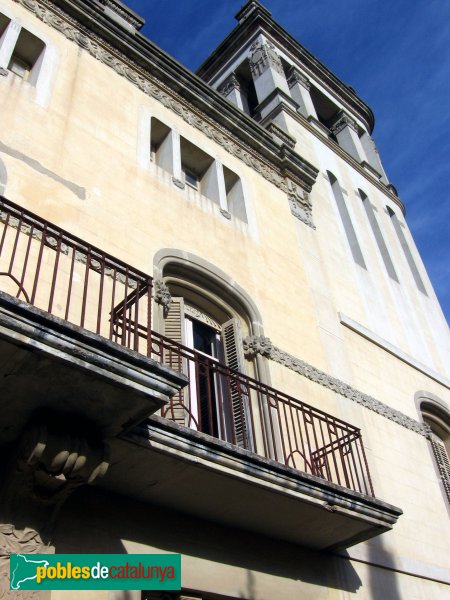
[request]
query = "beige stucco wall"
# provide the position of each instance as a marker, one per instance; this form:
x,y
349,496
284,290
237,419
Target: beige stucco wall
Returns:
x,y
79,161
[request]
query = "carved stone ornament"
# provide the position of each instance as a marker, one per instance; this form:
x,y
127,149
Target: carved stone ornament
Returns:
x,y
162,294
262,345
300,204
342,122
231,83
263,57
150,85
295,76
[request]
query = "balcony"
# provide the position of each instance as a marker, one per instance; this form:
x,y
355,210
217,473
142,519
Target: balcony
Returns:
x,y
73,313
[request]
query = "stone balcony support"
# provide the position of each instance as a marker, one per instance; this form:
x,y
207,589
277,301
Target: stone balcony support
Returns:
x,y
346,131
300,91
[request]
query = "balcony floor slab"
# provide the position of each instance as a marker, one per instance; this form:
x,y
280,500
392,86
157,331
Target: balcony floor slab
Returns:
x,y
167,464
48,363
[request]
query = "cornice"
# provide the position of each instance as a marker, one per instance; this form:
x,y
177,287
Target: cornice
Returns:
x,y
259,19
254,345
145,65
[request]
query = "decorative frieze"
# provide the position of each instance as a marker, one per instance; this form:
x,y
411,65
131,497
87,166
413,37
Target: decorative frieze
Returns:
x,y
254,345
231,83
263,57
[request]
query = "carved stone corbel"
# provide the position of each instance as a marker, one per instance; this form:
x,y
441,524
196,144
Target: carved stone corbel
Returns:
x,y
49,461
162,295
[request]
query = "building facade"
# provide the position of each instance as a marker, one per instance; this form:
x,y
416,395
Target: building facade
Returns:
x,y
217,337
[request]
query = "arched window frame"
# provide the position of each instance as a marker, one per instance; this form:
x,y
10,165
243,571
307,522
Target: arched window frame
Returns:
x,y
436,414
211,291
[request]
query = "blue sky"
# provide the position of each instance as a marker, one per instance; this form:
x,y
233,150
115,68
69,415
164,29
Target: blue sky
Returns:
x,y
395,53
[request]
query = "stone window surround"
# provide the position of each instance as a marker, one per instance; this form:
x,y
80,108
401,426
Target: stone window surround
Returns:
x,y
49,60
174,166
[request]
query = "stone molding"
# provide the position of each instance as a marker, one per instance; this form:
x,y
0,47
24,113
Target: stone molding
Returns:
x,y
150,85
231,83
283,137
342,122
254,345
295,76
263,57
124,12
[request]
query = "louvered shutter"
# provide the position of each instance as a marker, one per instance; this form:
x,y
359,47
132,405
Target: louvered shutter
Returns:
x,y
174,330
443,463
240,396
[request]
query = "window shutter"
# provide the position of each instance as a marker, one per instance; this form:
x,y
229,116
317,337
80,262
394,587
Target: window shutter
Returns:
x,y
174,329
443,463
240,394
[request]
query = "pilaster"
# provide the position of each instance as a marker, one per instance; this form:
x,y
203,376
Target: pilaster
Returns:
x,y
300,87
346,131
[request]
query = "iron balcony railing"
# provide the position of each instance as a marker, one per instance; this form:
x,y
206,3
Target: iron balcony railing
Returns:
x,y
63,275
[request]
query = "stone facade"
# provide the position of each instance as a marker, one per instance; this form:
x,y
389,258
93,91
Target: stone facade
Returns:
x,y
273,261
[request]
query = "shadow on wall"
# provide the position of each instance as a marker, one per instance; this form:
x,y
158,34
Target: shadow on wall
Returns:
x,y
382,576
96,521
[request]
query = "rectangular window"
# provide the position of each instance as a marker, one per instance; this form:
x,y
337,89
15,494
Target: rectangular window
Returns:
x,y
27,55
198,169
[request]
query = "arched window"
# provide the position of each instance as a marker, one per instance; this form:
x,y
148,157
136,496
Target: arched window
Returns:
x,y
203,326
438,418
346,221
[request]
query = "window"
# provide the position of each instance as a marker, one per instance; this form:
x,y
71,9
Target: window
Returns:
x,y
439,421
203,327
26,58
209,404
346,221
370,212
198,170
192,167
407,252
161,145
